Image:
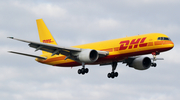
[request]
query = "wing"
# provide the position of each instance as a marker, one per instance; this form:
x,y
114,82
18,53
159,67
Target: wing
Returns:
x,y
69,52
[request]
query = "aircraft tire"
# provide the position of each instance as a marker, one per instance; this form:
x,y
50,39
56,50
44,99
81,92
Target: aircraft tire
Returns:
x,y
116,74
79,71
153,64
86,70
83,71
112,75
109,75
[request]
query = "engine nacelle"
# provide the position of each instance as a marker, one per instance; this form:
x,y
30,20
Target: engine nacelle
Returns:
x,y
141,63
88,55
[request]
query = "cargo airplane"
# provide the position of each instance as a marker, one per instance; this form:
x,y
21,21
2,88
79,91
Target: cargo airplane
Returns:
x,y
127,50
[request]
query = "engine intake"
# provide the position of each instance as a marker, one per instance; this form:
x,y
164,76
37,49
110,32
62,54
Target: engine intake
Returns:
x,y
141,63
88,55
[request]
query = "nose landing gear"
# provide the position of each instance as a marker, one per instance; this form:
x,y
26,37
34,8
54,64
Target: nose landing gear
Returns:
x,y
153,64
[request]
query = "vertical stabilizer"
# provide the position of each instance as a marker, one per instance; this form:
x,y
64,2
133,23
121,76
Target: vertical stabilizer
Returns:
x,y
44,33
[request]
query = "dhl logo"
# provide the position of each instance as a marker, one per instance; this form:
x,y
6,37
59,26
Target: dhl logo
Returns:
x,y
134,43
47,41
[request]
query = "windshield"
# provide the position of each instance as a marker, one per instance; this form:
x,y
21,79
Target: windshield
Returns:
x,y
164,38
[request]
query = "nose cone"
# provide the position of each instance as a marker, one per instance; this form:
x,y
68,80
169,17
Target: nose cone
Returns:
x,y
170,44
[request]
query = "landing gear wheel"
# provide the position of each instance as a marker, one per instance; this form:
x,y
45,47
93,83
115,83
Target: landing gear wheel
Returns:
x,y
154,58
154,64
116,74
86,70
83,71
109,75
79,71
112,75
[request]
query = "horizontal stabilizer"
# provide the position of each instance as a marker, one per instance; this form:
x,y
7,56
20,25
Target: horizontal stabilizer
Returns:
x,y
28,55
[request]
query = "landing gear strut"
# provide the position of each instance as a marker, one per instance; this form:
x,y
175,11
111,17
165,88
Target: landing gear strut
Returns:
x,y
153,64
83,70
113,74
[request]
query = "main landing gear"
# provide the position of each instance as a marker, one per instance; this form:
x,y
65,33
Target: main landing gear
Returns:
x,y
113,74
153,64
83,70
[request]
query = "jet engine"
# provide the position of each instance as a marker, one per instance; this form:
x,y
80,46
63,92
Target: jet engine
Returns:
x,y
141,63
88,55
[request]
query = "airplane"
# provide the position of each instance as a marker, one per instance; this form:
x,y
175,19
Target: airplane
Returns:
x,y
127,50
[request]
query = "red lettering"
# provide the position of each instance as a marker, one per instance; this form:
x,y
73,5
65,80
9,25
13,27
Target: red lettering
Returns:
x,y
134,43
142,44
47,41
122,46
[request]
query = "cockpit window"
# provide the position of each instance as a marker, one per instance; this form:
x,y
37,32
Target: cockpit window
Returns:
x,y
164,38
